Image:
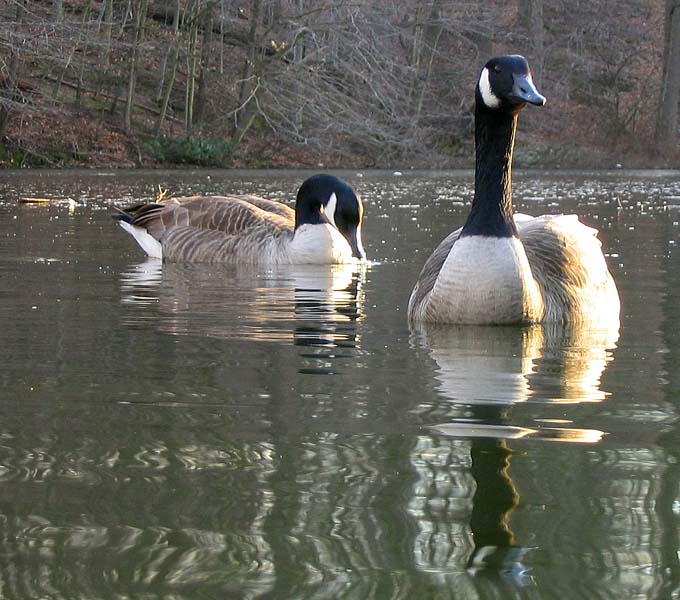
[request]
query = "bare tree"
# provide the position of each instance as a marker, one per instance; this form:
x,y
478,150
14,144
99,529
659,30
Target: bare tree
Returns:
x,y
169,52
667,122
370,79
169,73
425,52
205,62
10,93
140,8
58,8
537,39
246,110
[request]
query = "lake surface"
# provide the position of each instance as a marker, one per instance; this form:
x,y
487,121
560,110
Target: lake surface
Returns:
x,y
189,431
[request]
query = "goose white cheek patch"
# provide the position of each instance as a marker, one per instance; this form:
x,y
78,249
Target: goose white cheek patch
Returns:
x,y
489,98
330,208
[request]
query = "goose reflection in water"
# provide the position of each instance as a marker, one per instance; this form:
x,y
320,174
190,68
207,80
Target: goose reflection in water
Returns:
x,y
502,366
316,307
484,374
328,305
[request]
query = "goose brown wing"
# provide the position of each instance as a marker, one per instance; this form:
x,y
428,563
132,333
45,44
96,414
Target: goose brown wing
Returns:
x,y
567,263
270,206
232,215
213,228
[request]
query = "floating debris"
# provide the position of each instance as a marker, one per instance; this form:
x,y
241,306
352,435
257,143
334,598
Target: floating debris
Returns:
x,y
31,200
162,195
70,202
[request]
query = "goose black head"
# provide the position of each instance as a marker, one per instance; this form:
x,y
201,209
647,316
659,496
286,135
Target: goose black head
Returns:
x,y
505,84
327,199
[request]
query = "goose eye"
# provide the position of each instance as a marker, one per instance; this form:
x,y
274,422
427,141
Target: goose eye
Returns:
x,y
497,68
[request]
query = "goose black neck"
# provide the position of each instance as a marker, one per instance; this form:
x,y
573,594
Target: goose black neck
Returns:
x,y
491,212
307,215
308,211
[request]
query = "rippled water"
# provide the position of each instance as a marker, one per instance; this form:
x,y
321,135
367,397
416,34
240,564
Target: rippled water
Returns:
x,y
189,431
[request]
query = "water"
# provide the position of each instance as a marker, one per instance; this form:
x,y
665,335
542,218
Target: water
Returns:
x,y
185,431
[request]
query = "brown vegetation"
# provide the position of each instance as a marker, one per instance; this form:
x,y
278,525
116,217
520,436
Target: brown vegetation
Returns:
x,y
338,82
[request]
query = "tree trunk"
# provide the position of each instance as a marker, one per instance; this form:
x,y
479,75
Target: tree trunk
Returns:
x,y
667,122
105,62
221,38
482,37
108,28
524,14
60,79
192,61
108,38
174,62
203,78
58,10
298,57
126,14
171,51
417,35
168,90
537,38
245,114
140,18
12,76
432,33
83,33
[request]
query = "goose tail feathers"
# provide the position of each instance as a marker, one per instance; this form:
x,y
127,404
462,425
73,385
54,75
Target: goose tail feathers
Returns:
x,y
133,220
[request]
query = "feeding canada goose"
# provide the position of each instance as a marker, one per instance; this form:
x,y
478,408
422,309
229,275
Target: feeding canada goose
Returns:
x,y
325,227
504,268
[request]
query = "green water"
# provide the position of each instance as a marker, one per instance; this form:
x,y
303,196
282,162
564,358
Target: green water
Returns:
x,y
189,431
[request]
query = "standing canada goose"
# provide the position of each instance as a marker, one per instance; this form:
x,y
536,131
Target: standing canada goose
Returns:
x,y
504,268
324,228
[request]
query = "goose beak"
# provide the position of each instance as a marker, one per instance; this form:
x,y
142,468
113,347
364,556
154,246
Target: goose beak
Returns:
x,y
354,239
524,90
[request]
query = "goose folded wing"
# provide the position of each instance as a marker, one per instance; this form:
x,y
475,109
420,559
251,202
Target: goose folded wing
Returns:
x,y
566,261
270,206
211,228
232,215
430,273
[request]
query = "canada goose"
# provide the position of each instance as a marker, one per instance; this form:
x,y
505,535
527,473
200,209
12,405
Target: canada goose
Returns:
x,y
325,227
504,268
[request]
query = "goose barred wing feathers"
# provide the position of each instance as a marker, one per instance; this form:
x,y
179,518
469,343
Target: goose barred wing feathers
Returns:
x,y
568,265
213,228
420,295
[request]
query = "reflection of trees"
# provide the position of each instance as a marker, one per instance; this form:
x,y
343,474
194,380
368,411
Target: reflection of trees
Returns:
x,y
332,513
56,545
170,496
668,491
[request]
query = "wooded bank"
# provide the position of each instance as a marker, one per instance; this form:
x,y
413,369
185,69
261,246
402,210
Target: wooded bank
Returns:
x,y
339,83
